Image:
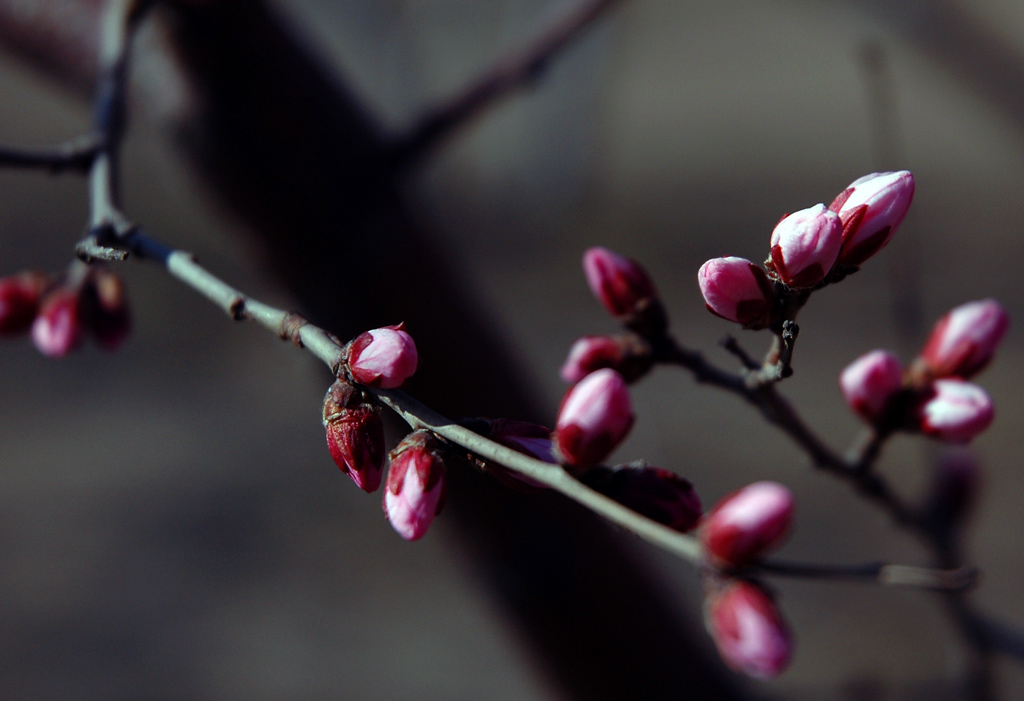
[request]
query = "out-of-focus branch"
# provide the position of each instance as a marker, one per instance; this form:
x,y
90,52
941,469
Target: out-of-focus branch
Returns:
x,y
75,155
512,71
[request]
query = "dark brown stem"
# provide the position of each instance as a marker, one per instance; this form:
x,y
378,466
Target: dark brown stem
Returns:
x,y
777,410
75,155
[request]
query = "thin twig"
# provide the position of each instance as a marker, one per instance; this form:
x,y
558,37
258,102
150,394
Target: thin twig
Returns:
x,y
879,573
75,155
512,71
777,410
730,344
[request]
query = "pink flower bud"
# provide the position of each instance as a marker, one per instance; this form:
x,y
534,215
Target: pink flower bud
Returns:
x,y
620,284
955,411
748,522
414,493
658,494
737,290
805,246
871,208
630,356
57,329
591,353
870,383
355,435
20,296
384,357
595,416
965,339
748,630
109,317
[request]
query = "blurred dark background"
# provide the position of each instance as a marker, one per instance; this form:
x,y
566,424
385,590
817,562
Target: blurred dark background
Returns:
x,y
171,524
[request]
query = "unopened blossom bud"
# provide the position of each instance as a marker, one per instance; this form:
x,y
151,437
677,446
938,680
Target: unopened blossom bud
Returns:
x,y
871,208
627,355
20,296
591,353
384,357
748,630
355,434
527,438
658,494
737,290
965,339
109,315
805,246
625,289
595,416
954,486
955,411
870,383
414,493
748,522
57,329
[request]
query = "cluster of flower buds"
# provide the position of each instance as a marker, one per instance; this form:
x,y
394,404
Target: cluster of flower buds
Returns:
x,y
809,248
414,490
658,494
743,620
933,396
626,291
61,314
414,493
597,413
748,629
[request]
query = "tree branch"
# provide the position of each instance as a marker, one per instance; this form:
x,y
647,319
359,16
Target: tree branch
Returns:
x,y
325,346
512,71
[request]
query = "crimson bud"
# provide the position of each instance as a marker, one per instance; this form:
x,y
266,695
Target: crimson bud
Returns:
x,y
805,246
108,312
415,490
871,208
658,494
595,416
963,341
625,289
355,434
628,355
57,329
870,383
955,411
748,522
20,296
737,290
748,630
954,486
384,357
